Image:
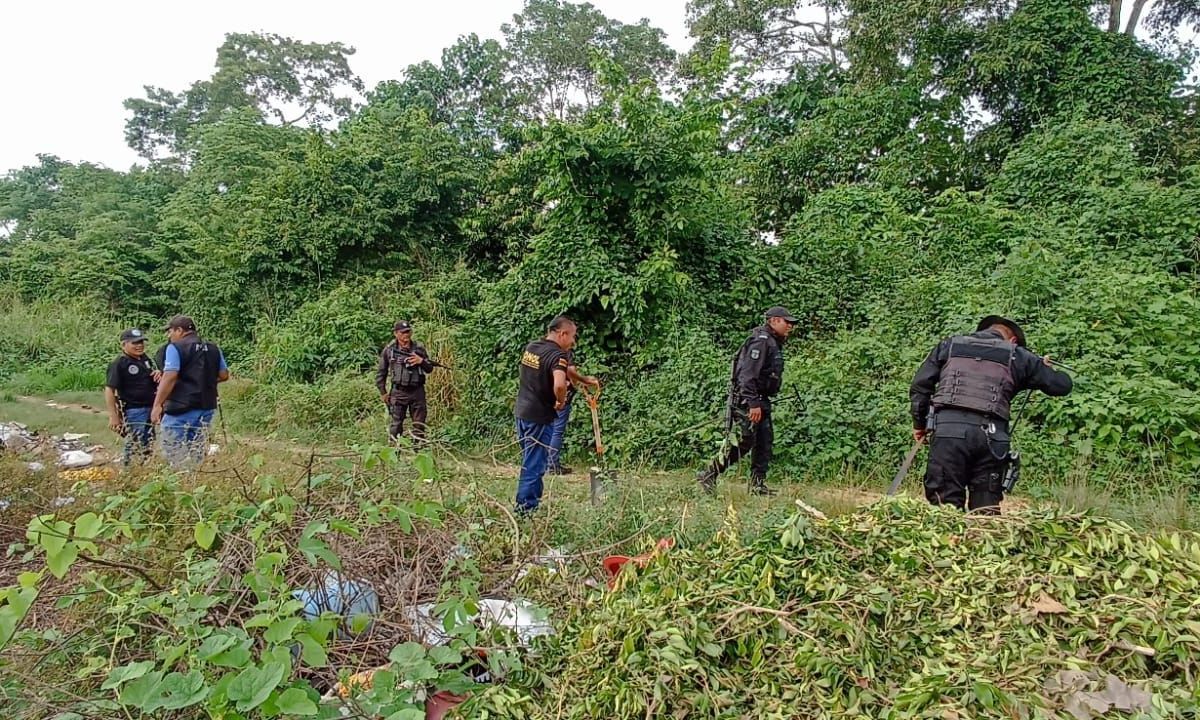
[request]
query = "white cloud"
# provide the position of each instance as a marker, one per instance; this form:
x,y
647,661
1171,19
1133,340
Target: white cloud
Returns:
x,y
69,65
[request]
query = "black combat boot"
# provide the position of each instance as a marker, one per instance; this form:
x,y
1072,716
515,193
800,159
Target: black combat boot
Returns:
x,y
708,481
758,486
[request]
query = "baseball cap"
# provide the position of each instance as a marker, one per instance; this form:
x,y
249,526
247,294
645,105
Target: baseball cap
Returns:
x,y
401,326
183,322
779,311
133,335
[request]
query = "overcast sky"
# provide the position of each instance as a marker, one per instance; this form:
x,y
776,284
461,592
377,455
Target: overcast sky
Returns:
x,y
68,65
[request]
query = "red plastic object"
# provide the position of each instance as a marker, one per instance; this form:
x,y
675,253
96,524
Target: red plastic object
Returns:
x,y
441,703
613,563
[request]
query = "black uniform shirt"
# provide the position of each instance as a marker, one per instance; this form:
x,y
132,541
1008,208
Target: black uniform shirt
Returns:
x,y
1028,370
535,396
133,381
759,373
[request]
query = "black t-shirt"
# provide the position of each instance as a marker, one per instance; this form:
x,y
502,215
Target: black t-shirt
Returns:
x,y
535,398
133,381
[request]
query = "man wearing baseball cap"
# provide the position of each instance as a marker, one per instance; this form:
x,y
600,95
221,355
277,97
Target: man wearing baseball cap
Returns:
x,y
129,390
968,382
405,363
187,394
756,378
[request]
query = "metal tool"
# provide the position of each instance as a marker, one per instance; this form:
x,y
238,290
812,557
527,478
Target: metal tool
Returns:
x,y
904,468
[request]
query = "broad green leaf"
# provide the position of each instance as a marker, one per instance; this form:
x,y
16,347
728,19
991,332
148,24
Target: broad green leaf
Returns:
x,y
407,714
442,655
142,692
314,548
60,562
125,673
214,645
180,691
295,701
423,463
234,657
406,655
87,526
205,533
281,630
312,653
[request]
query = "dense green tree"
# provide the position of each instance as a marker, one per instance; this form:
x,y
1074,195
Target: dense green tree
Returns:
x,y
284,81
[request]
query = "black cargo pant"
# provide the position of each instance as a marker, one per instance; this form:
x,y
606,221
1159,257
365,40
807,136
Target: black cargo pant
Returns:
x,y
754,439
966,465
408,401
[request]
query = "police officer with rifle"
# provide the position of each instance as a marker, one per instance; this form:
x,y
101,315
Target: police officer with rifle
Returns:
x,y
963,394
756,378
405,363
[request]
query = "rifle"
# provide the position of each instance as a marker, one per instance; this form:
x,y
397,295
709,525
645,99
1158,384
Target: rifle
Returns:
x,y
431,361
731,399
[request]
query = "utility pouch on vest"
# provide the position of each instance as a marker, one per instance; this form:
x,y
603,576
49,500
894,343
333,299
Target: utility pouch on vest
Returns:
x,y
403,374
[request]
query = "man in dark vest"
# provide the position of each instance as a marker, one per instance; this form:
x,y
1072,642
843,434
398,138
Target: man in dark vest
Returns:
x,y
968,383
129,389
541,395
757,377
187,393
405,363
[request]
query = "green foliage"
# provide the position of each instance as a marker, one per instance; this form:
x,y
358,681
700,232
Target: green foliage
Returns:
x,y
898,610
841,167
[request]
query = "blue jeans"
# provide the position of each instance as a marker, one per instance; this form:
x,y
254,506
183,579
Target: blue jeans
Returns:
x,y
535,451
139,434
185,436
558,429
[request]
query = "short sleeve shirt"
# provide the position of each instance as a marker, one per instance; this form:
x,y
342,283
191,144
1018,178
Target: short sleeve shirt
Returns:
x,y
535,397
171,360
133,381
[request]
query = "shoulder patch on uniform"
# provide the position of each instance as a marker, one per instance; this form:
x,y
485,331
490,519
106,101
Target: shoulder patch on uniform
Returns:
x,y
754,353
562,362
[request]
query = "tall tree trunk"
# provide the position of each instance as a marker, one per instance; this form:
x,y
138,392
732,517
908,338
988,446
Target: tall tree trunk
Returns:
x,y
1114,15
1134,15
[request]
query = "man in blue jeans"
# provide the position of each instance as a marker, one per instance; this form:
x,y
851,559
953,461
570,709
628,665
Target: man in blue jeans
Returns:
x,y
542,393
129,389
187,393
559,428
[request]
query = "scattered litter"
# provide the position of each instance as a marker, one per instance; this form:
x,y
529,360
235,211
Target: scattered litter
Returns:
x,y
553,561
810,510
63,501
525,619
75,459
16,437
340,596
69,437
94,473
213,449
35,466
4,505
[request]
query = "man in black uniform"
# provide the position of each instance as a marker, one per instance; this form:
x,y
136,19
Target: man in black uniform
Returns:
x,y
542,393
756,378
968,383
129,394
406,363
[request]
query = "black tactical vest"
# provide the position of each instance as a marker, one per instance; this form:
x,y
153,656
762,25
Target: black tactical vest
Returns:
x,y
199,368
977,376
403,374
